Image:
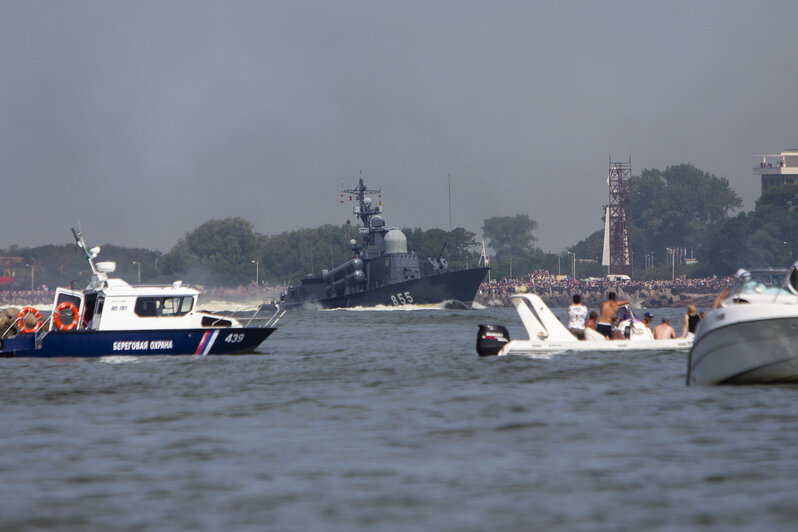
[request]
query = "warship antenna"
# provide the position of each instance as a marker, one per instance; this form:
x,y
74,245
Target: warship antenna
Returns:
x,y
363,210
450,203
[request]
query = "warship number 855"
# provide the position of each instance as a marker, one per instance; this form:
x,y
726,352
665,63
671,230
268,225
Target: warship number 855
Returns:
x,y
382,271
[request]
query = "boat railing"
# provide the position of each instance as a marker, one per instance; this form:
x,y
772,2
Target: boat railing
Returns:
x,y
271,321
248,317
275,317
42,331
8,329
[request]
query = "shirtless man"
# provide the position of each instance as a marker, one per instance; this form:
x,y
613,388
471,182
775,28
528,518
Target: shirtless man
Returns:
x,y
664,331
608,310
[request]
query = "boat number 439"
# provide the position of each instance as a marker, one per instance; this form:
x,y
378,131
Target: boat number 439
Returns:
x,y
234,338
401,298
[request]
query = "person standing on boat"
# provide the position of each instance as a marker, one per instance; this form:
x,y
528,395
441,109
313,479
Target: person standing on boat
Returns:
x,y
591,320
647,319
608,310
664,331
691,320
577,313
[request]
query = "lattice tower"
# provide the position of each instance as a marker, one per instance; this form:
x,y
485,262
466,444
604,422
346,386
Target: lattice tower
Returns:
x,y
620,218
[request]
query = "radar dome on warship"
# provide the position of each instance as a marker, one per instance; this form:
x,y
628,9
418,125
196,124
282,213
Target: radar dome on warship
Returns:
x,y
383,272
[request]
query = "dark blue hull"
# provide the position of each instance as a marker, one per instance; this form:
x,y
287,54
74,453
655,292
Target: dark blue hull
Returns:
x,y
223,341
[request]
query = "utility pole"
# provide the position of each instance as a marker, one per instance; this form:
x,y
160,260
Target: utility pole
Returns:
x,y
672,251
573,268
31,273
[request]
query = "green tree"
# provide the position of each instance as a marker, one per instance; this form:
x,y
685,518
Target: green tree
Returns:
x,y
680,206
591,247
217,252
179,259
510,236
291,255
429,243
765,236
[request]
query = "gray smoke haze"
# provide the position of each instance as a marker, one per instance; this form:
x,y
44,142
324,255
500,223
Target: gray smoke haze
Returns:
x,y
145,119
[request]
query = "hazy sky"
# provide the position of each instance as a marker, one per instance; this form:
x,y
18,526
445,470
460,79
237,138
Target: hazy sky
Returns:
x,y
145,119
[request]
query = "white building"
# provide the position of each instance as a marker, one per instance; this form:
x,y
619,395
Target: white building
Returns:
x,y
778,169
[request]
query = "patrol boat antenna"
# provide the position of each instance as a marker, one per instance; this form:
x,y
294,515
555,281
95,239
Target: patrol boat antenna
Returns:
x,y
99,271
90,254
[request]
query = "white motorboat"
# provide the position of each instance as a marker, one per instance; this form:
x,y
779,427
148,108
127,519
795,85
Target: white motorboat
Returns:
x,y
751,336
548,335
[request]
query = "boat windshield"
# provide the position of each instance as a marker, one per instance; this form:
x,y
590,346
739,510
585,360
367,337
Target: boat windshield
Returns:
x,y
625,313
768,282
163,306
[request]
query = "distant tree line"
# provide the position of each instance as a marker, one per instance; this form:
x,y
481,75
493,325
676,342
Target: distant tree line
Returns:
x,y
65,265
228,252
681,207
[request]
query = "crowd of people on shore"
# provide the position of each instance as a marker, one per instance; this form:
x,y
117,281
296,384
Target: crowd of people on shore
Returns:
x,y
542,281
35,296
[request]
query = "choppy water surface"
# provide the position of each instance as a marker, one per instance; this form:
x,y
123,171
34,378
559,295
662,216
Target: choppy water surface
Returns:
x,y
389,421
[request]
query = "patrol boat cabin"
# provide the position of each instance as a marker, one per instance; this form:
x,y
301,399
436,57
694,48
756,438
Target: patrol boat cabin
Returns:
x,y
113,305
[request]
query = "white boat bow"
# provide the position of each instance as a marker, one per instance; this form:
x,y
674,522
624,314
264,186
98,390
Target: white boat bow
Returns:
x,y
750,338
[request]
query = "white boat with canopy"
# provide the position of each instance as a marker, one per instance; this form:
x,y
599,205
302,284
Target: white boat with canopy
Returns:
x,y
547,334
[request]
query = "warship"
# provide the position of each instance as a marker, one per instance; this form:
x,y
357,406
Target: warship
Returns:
x,y
382,272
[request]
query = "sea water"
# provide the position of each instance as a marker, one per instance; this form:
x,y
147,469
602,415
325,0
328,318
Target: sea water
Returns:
x,y
378,420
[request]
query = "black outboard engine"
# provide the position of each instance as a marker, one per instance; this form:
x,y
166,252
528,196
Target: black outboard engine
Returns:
x,y
491,339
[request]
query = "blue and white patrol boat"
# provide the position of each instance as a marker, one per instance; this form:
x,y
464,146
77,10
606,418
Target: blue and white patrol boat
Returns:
x,y
111,317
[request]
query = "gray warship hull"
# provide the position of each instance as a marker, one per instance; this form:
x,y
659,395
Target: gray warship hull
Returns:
x,y
458,287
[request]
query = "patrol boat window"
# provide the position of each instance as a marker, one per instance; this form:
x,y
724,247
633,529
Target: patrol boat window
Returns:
x,y
163,306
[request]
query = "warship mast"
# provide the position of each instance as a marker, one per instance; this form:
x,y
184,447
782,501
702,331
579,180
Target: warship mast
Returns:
x,y
363,209
373,224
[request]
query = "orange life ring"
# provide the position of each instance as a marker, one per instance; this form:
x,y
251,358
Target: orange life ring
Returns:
x,y
57,316
21,316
